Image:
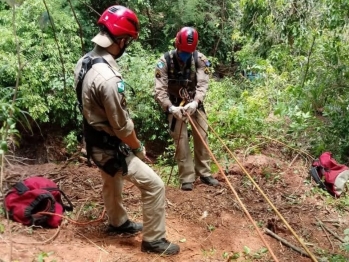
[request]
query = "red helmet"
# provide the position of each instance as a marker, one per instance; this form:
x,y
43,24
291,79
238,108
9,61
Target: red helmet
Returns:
x,y
120,21
187,39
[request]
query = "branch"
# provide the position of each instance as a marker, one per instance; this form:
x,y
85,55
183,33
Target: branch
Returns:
x,y
329,230
56,40
283,241
308,62
80,28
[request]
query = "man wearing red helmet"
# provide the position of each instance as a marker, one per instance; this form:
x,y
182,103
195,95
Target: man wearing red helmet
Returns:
x,y
181,83
109,134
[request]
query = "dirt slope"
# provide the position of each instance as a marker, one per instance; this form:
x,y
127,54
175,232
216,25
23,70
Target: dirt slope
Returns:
x,y
208,223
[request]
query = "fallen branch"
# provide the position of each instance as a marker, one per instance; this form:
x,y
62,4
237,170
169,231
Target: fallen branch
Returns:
x,y
322,227
294,159
283,241
330,231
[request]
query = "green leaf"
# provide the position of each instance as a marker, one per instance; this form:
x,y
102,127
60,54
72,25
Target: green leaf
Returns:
x,y
247,250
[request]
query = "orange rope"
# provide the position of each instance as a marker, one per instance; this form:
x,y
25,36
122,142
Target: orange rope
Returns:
x,y
311,255
233,190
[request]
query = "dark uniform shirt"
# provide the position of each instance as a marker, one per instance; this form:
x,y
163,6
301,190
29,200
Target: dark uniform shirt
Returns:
x,y
167,89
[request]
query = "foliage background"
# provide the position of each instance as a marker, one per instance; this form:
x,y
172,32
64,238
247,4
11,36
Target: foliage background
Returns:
x,y
280,68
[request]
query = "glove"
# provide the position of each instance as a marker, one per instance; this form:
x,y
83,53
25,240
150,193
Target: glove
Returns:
x,y
140,152
177,111
191,107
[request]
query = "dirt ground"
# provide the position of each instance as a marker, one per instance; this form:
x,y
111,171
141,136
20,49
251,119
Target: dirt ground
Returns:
x,y
208,223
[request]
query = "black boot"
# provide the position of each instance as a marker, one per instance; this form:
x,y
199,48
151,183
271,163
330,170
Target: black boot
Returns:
x,y
209,180
128,227
187,187
161,246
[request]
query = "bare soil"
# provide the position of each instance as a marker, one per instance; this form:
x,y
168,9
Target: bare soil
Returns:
x,y
208,223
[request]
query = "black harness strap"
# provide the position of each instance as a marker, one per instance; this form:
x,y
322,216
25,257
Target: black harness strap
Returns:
x,y
173,70
97,138
195,54
87,64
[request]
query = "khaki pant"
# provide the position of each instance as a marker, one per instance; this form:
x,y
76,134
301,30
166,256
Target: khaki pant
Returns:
x,y
152,194
187,169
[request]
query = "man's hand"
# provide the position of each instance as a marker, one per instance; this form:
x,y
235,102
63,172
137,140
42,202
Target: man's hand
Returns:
x,y
140,152
177,111
191,107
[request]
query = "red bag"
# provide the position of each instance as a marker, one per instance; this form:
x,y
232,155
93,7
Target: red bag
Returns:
x,y
33,195
335,175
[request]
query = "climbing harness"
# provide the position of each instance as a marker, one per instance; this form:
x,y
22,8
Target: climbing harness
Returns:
x,y
100,139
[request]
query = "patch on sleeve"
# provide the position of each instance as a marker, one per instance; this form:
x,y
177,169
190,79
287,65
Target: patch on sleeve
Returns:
x,y
160,64
207,63
157,73
207,70
121,86
123,101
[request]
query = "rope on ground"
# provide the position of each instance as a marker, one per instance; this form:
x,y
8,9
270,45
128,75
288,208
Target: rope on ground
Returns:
x,y
311,255
234,192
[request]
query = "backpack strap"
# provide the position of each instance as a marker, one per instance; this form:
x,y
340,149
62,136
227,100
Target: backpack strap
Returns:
x,y
21,188
68,207
195,54
315,175
87,64
175,63
168,62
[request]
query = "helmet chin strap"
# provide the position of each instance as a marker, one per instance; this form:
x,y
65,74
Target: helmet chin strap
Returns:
x,y
119,54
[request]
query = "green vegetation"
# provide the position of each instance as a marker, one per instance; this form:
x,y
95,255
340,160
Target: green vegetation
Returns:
x,y
295,51
279,70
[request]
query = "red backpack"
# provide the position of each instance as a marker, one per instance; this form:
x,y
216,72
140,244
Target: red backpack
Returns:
x,y
330,175
28,198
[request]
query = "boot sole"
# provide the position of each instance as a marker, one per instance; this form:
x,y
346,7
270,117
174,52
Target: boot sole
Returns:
x,y
163,253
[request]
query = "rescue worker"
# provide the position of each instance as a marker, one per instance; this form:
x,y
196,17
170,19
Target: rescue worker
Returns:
x,y
181,83
109,133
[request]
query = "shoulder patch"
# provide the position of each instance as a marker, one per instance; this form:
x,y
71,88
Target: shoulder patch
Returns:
x,y
121,86
160,64
157,73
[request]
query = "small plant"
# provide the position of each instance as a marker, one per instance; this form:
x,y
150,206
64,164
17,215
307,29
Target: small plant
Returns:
x,y
345,245
209,252
71,142
260,224
246,253
2,228
2,211
41,257
260,253
88,210
210,228
327,257
230,256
